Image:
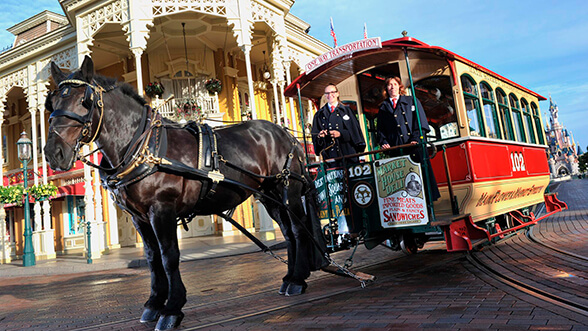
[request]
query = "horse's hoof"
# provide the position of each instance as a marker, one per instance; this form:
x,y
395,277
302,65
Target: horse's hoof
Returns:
x,y
169,322
149,315
283,288
294,289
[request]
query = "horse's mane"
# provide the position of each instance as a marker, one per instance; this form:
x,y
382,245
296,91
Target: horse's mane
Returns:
x,y
125,88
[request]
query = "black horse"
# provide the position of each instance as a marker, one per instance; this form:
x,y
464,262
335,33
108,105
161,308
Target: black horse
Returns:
x,y
87,107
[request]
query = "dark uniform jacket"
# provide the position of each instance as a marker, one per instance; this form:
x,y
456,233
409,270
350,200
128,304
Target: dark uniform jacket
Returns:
x,y
400,126
343,120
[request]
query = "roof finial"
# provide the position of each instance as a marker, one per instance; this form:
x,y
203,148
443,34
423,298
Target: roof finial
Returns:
x,y
404,33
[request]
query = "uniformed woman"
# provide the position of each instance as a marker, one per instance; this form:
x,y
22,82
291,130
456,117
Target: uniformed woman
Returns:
x,y
335,129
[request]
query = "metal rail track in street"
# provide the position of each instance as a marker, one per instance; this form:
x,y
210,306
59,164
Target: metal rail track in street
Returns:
x,y
526,288
534,239
188,324
305,299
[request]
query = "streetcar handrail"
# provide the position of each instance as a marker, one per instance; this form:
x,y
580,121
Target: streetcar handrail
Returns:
x,y
366,153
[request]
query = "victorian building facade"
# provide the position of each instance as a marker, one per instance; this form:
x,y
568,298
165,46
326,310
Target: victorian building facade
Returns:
x,y
563,157
253,47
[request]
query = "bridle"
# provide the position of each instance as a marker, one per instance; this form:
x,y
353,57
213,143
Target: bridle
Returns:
x,y
92,101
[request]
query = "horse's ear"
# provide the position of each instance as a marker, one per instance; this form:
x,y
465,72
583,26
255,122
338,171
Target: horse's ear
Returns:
x,y
56,73
87,69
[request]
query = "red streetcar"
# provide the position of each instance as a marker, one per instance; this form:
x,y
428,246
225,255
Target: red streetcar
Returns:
x,y
486,145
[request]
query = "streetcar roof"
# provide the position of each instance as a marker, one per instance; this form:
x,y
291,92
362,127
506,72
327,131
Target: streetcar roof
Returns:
x,y
335,71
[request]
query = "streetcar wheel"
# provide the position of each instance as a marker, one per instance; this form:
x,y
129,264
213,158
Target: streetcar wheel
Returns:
x,y
408,245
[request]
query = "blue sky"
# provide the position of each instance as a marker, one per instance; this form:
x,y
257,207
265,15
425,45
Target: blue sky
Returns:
x,y
540,44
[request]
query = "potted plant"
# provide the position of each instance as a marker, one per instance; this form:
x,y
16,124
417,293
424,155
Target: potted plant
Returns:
x,y
11,194
154,89
213,85
42,192
187,110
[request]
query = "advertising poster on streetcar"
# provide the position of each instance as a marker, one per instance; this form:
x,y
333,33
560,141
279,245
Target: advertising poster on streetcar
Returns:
x,y
332,188
400,190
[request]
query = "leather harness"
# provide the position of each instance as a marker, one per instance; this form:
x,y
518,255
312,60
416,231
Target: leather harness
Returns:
x,y
145,156
146,152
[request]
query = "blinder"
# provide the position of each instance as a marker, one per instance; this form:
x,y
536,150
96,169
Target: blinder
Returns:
x,y
90,101
87,102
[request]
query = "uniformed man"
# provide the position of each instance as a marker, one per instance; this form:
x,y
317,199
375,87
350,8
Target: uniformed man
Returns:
x,y
335,129
398,124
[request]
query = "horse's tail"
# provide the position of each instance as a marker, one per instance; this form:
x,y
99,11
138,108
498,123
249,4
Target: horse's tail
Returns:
x,y
313,224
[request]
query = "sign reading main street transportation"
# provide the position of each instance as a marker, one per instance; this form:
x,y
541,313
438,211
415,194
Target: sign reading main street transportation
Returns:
x,y
400,192
347,49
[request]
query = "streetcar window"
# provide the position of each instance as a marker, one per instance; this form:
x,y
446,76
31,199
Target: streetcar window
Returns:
x,y
538,125
504,114
528,120
490,113
435,94
517,118
474,113
469,86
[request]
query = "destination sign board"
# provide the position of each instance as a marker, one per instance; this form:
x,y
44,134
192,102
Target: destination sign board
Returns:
x,y
356,46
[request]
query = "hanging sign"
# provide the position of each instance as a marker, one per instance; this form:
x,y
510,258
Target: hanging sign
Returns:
x,y
356,46
331,188
400,191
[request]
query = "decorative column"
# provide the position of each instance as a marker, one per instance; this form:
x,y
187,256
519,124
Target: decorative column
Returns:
x,y
36,217
90,207
4,242
310,113
99,215
49,233
137,52
239,15
137,32
274,83
290,99
112,223
247,50
84,40
291,126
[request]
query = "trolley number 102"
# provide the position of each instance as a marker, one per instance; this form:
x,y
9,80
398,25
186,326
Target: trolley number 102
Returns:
x,y
360,170
518,161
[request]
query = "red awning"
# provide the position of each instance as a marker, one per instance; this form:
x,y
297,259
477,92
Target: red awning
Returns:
x,y
73,189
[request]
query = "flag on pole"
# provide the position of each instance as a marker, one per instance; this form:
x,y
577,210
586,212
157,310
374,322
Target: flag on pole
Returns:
x,y
364,31
333,33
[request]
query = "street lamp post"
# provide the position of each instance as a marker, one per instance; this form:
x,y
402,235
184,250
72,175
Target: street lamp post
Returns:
x,y
25,151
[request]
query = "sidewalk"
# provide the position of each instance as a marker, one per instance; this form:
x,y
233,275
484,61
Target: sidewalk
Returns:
x,y
132,257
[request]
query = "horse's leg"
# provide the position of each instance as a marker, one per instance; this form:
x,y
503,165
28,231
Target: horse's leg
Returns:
x,y
162,218
302,248
159,285
285,226
306,235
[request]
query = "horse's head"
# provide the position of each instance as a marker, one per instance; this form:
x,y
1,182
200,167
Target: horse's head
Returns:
x,y
76,110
